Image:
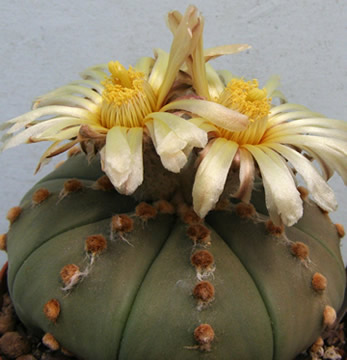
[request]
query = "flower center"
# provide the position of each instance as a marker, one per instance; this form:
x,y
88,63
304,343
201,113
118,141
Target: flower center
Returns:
x,y
127,99
246,98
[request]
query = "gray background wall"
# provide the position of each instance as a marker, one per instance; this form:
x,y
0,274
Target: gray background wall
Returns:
x,y
45,44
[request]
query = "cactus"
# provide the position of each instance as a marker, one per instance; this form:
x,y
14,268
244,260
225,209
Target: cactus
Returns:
x,y
182,232
112,278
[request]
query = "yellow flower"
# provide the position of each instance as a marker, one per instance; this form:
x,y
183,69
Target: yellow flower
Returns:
x,y
278,140
114,106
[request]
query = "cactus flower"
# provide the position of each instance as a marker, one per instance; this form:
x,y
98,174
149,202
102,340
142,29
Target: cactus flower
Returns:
x,y
114,106
279,141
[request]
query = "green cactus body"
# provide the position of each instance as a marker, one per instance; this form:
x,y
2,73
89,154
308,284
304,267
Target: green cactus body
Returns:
x,y
136,301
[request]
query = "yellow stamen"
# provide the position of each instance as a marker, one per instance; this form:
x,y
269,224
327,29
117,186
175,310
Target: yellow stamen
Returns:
x,y
127,99
246,98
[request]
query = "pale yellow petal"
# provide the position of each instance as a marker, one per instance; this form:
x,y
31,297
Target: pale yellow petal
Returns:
x,y
167,145
68,90
246,175
203,124
115,157
212,174
196,66
226,76
320,190
135,179
217,114
215,52
185,40
215,84
39,129
184,129
145,65
68,100
282,197
272,84
158,72
65,134
21,121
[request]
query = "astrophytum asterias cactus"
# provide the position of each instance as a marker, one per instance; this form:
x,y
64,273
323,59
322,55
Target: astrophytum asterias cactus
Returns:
x,y
178,229
112,278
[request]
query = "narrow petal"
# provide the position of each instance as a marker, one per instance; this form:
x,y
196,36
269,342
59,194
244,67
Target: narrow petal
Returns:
x,y
226,76
212,174
203,124
272,84
196,65
320,190
327,170
38,129
217,114
96,73
25,119
93,85
173,20
246,176
53,131
65,134
185,40
331,159
217,51
276,136
145,65
287,107
158,72
68,100
215,84
68,90
282,198
45,156
279,94
290,116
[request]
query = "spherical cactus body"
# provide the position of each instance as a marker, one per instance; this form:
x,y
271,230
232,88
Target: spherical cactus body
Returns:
x,y
112,278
